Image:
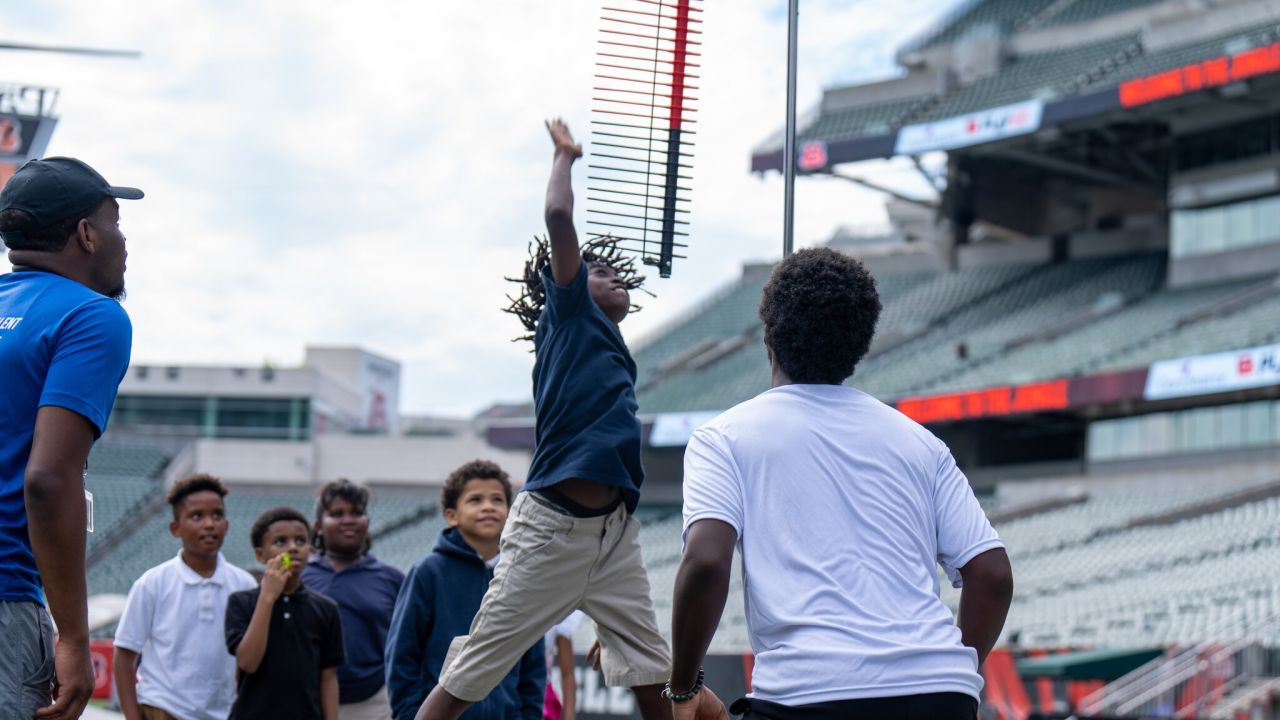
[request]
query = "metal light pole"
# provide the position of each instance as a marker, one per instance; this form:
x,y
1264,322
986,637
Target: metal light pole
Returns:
x,y
789,149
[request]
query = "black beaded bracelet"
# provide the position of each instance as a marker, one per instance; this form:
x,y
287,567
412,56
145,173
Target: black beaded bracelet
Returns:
x,y
683,697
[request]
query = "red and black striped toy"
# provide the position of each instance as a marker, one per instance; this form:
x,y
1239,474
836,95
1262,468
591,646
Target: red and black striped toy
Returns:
x,y
640,163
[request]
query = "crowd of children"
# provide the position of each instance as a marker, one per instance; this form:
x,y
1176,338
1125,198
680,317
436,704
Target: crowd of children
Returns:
x,y
329,632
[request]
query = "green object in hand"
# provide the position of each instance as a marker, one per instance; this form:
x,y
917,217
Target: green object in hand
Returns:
x,y
287,563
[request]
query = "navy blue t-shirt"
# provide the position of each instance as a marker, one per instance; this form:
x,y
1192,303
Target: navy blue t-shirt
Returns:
x,y
64,345
366,596
584,390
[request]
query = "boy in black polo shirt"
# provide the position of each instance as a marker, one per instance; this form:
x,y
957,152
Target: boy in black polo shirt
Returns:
x,y
286,639
570,541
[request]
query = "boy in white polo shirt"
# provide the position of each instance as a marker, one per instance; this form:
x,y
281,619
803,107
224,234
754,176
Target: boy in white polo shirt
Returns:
x,y
174,617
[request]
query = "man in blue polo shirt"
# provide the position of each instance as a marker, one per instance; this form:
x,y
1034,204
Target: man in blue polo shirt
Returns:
x,y
64,347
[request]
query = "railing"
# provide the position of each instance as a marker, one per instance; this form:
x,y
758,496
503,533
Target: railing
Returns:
x,y
1186,683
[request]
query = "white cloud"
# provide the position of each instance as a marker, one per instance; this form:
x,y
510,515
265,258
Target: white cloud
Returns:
x,y
323,172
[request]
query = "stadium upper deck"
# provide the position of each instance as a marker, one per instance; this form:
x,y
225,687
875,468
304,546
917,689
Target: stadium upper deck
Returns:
x,y
1068,57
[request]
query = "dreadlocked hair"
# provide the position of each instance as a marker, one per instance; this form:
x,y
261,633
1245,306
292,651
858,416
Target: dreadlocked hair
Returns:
x,y
603,250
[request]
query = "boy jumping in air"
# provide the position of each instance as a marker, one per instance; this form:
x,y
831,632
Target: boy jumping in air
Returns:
x,y
571,542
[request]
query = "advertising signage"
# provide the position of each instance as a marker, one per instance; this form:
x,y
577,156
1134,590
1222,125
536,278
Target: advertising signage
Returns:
x,y
1215,373
988,402
18,135
22,137
1201,76
972,129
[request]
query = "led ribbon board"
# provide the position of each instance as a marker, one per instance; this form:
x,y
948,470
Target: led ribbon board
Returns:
x,y
640,127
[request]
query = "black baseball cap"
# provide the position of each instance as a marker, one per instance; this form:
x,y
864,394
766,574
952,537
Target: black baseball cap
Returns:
x,y
55,189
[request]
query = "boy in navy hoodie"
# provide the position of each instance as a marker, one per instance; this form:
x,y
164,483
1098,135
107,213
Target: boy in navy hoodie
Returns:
x,y
442,594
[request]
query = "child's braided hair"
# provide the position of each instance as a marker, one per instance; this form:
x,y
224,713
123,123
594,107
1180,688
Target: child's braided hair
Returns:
x,y
527,306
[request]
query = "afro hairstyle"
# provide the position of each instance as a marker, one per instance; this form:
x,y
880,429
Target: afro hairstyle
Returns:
x,y
819,311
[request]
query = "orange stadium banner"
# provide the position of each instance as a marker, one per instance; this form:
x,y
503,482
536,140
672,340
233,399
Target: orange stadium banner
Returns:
x,y
988,402
1202,75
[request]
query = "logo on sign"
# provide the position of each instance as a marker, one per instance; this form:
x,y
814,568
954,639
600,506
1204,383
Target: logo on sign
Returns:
x,y
813,156
10,135
1245,364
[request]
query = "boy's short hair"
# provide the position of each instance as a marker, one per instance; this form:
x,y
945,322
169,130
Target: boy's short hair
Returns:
x,y
819,311
357,495
270,516
191,484
476,469
602,250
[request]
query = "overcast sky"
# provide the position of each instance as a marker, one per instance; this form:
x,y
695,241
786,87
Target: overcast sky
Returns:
x,y
323,172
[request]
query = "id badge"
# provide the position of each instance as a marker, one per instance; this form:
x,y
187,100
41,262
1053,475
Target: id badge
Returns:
x,y
88,501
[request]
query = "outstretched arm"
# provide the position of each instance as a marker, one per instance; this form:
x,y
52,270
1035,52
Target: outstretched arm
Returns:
x,y
566,258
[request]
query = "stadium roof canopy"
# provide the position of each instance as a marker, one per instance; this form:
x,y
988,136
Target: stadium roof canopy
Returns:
x,y
999,69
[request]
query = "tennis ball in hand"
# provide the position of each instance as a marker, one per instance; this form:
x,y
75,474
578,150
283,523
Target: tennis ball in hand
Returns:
x,y
287,562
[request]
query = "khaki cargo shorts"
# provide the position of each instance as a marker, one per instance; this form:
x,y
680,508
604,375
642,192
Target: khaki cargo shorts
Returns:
x,y
553,564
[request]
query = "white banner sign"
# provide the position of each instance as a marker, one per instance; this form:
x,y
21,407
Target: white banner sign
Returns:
x,y
972,129
675,429
1219,372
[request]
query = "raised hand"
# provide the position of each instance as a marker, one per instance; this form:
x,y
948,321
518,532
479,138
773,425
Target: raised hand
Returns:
x,y
275,578
563,139
704,706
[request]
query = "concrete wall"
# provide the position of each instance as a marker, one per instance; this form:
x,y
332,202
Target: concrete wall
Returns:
x,y
911,85
1184,21
1101,243
361,458
1236,264
1037,250
256,461
220,380
1224,183
382,459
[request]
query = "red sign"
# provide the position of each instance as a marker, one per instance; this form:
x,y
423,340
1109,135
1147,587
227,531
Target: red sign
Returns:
x,y
1245,364
1200,76
990,402
101,652
813,156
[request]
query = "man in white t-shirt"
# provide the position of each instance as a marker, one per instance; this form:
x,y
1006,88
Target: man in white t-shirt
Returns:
x,y
842,509
174,617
